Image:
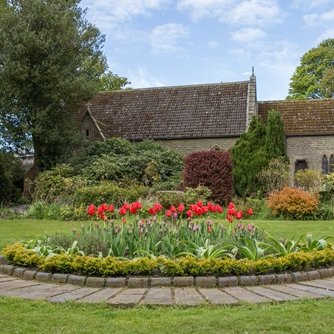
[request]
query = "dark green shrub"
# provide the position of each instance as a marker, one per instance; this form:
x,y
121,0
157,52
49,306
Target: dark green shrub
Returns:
x,y
57,185
252,152
11,178
212,169
121,161
249,157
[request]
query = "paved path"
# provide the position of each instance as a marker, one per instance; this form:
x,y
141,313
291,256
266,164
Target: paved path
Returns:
x,y
189,296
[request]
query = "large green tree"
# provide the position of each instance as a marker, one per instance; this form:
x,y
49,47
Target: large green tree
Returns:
x,y
50,60
314,77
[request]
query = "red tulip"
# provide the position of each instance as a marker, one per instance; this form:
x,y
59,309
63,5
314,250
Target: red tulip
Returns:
x,y
180,208
238,215
122,211
189,213
91,210
250,211
169,213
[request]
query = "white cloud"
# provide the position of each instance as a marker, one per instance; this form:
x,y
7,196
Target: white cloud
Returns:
x,y
118,11
245,12
255,12
140,78
321,18
165,38
247,35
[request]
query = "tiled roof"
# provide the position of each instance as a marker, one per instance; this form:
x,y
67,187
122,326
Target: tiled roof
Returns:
x,y
198,111
303,117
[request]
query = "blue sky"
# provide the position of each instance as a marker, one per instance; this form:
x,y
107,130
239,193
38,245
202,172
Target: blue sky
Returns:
x,y
181,42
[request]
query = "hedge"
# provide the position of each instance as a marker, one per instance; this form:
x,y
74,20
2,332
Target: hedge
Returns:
x,y
185,266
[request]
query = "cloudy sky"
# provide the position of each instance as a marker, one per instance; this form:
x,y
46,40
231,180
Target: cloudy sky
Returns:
x,y
181,42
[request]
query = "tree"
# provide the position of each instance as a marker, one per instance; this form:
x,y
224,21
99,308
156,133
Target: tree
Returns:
x,y
110,81
254,150
50,60
327,83
275,136
249,157
313,78
11,178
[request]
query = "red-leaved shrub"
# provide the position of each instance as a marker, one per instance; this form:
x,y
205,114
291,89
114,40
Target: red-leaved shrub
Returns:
x,y
212,169
293,203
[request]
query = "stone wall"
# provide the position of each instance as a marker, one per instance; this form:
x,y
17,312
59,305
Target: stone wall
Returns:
x,y
89,129
309,148
186,146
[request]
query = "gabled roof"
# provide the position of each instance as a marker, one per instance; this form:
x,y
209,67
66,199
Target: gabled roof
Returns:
x,y
197,111
303,117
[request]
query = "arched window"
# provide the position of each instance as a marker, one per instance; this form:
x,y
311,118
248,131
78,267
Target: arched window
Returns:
x,y
324,164
87,132
331,163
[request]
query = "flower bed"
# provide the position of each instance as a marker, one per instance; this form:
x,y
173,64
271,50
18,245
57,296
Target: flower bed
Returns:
x,y
174,242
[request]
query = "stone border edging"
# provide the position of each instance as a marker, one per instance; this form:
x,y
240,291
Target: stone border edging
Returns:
x,y
178,281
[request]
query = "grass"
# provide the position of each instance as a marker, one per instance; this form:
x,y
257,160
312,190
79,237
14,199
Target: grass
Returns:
x,y
21,316
23,229
307,316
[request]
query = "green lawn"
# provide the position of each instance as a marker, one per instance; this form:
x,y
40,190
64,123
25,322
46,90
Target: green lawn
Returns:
x,y
19,316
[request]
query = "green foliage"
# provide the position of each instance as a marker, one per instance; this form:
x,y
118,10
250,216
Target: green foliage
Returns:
x,y
189,196
11,178
327,83
254,150
275,136
313,78
274,176
185,266
57,185
121,161
109,193
249,157
110,81
50,59
50,211
309,180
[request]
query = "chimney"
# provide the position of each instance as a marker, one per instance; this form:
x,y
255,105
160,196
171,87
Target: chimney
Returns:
x,y
251,99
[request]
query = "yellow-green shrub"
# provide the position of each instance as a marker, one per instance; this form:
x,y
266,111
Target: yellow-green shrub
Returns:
x,y
110,266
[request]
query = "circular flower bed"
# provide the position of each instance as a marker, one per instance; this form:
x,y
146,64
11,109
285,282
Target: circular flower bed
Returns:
x,y
178,241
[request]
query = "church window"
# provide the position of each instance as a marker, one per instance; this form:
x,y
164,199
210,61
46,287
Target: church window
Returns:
x,y
331,163
300,165
324,164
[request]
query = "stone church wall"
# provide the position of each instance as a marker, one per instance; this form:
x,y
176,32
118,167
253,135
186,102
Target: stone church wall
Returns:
x,y
187,146
309,148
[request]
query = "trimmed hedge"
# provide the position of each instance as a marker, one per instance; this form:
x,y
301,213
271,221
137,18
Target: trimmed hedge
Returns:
x,y
185,266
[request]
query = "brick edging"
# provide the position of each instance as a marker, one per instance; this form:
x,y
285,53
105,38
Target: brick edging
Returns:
x,y
179,281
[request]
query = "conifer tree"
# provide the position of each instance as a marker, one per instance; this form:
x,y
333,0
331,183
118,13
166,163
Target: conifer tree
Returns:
x,y
275,136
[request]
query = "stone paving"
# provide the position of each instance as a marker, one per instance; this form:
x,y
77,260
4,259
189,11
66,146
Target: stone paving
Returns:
x,y
165,296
